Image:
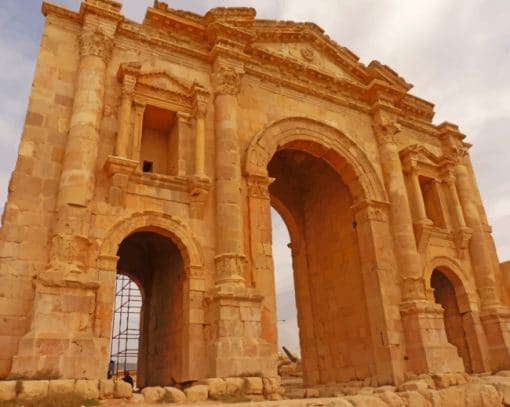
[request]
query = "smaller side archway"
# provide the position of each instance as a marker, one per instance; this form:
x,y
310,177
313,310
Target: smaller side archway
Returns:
x,y
462,323
160,253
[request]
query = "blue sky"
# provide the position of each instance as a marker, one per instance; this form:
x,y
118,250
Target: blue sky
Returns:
x,y
455,52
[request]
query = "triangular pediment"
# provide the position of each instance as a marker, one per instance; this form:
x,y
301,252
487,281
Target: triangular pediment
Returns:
x,y
420,154
310,54
164,81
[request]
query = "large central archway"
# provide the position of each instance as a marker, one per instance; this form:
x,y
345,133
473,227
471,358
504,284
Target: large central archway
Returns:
x,y
330,298
330,197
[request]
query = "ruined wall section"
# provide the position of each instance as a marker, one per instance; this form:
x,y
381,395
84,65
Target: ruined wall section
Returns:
x,y
30,209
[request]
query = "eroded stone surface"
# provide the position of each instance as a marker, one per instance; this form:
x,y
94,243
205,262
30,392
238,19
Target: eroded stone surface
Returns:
x,y
180,146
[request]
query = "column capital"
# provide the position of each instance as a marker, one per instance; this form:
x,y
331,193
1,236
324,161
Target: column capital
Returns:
x,y
414,289
371,211
139,105
385,126
452,141
96,43
128,76
227,80
200,100
230,269
258,186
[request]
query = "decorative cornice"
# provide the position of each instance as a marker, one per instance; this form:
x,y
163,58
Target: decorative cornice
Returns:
x,y
235,33
49,8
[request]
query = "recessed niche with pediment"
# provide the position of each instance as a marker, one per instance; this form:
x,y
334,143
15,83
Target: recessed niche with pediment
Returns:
x,y
159,147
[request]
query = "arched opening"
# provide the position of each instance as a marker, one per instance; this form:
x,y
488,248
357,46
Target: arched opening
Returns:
x,y
288,334
445,294
155,263
312,196
126,328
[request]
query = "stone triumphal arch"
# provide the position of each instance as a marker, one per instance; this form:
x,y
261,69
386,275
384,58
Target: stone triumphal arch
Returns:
x,y
157,149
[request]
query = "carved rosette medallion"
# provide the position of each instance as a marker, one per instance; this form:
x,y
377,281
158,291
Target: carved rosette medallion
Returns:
x,y
307,54
230,268
96,43
226,81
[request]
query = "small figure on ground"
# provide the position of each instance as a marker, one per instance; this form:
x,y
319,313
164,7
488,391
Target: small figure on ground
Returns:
x,y
127,378
111,369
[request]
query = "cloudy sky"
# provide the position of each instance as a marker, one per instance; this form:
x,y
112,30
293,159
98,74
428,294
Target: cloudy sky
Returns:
x,y
455,52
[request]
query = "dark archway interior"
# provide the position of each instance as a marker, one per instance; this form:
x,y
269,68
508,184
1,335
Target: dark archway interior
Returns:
x,y
155,264
444,294
332,312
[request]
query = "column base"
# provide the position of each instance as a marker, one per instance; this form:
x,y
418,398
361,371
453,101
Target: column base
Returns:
x,y
61,341
235,346
45,357
427,347
496,324
476,342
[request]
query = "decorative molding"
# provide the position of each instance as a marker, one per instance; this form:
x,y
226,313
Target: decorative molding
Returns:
x,y
235,31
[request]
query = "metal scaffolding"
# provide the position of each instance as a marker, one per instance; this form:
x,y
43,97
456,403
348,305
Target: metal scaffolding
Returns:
x,y
126,326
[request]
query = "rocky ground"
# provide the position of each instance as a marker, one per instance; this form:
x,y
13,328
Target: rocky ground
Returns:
x,y
447,390
287,390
